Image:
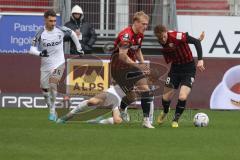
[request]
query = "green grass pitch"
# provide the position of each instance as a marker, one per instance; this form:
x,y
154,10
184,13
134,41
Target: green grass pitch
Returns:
x,y
26,134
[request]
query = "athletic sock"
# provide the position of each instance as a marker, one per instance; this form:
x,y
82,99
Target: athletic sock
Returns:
x,y
47,98
125,102
53,93
179,109
107,121
146,100
151,114
165,105
80,107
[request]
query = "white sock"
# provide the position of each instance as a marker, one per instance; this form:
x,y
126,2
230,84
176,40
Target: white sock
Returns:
x,y
53,93
107,121
46,96
80,107
146,119
151,117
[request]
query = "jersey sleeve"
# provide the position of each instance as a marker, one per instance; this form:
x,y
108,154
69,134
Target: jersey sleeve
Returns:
x,y
67,31
37,38
124,40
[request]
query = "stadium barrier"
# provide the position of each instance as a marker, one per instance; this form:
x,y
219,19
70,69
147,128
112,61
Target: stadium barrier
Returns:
x,y
20,77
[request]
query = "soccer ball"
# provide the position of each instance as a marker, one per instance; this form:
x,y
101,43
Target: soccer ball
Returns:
x,y
200,120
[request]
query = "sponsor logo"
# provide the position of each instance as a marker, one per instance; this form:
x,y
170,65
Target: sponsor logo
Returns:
x,y
125,37
33,101
87,77
220,43
52,43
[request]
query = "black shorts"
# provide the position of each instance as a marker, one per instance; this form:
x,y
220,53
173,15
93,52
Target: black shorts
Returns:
x,y
126,77
181,74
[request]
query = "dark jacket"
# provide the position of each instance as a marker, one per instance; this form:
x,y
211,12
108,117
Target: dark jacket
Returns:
x,y
88,34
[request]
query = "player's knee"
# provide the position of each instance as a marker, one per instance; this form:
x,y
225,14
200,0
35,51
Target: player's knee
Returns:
x,y
168,94
166,97
131,97
143,88
182,96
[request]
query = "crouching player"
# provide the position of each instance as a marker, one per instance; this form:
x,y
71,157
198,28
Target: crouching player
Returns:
x,y
111,98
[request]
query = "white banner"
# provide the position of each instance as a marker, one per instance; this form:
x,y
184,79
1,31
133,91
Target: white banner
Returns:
x,y
222,34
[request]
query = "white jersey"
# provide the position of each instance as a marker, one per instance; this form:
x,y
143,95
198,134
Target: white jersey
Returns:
x,y
52,41
114,96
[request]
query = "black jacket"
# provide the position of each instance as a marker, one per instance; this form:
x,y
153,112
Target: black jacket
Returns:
x,y
88,35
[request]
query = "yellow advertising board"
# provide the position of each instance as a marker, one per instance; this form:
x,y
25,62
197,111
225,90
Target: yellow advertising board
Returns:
x,y
87,76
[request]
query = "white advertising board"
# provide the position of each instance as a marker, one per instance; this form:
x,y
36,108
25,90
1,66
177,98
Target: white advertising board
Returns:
x,y
222,34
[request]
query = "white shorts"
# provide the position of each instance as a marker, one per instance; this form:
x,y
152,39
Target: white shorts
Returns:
x,y
114,96
55,73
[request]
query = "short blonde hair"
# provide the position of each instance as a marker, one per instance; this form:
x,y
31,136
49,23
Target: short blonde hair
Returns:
x,y
137,16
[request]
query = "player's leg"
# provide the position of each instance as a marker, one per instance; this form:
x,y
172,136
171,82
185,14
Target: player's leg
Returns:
x,y
94,101
183,95
168,93
127,79
97,100
121,78
146,99
185,89
113,98
115,119
125,102
54,79
44,84
46,96
187,77
151,114
45,87
171,84
137,79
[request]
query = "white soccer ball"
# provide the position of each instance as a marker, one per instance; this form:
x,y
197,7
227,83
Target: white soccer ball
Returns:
x,y
200,120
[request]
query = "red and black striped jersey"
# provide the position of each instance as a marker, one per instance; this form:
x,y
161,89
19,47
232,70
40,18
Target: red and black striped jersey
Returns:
x,y
127,38
176,50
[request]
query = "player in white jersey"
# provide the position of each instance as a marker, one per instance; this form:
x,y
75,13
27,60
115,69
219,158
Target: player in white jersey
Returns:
x,y
48,44
111,98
